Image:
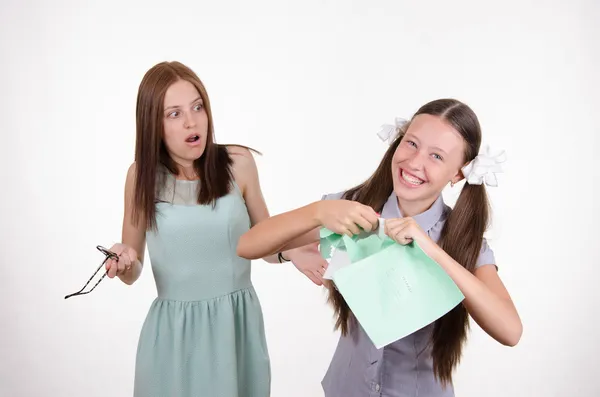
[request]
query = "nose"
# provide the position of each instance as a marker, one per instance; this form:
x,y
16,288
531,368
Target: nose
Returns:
x,y
188,121
416,161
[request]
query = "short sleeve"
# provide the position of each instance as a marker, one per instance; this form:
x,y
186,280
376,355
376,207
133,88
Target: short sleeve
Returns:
x,y
332,196
486,256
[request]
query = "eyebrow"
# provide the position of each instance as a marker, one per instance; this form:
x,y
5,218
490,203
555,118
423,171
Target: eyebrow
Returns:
x,y
177,106
439,149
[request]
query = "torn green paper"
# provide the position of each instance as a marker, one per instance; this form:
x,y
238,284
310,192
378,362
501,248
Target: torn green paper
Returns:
x,y
358,246
392,289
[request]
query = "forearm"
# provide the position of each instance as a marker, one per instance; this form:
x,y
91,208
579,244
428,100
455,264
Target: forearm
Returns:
x,y
494,314
287,255
271,259
279,233
130,276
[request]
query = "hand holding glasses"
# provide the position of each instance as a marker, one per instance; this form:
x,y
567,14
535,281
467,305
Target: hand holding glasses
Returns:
x,y
116,260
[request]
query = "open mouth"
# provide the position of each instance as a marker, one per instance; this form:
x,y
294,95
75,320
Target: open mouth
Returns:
x,y
193,138
410,179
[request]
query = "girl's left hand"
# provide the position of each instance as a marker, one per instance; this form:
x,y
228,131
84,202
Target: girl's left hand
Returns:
x,y
406,230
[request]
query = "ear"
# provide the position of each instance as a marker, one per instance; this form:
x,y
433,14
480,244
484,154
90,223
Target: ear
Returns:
x,y
457,177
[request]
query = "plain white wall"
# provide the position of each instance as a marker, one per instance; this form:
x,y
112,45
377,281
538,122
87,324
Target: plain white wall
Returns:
x,y
307,83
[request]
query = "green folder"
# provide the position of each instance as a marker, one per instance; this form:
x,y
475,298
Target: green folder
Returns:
x,y
392,289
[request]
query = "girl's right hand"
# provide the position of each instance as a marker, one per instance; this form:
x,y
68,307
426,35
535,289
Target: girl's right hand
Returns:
x,y
346,216
127,258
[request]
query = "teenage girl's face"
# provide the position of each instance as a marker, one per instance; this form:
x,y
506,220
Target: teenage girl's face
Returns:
x,y
185,123
428,158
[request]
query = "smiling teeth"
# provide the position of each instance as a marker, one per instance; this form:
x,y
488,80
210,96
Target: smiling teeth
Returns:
x,y
410,179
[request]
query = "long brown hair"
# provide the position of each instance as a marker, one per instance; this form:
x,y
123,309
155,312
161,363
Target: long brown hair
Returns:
x,y
213,167
461,236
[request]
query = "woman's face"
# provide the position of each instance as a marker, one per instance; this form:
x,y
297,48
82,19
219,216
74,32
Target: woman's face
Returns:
x,y
185,123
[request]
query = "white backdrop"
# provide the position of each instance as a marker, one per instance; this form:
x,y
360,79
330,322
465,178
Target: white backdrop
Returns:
x,y
308,84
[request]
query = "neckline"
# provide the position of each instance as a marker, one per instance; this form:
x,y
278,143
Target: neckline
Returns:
x,y
426,219
187,180
169,175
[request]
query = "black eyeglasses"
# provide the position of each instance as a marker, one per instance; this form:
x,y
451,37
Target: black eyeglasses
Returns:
x,y
107,255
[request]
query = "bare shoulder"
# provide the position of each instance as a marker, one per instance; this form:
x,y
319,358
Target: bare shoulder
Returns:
x,y
131,175
243,160
244,167
130,182
131,170
238,149
240,154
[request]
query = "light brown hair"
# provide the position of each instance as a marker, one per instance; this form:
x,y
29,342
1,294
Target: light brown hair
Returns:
x,y
461,237
213,167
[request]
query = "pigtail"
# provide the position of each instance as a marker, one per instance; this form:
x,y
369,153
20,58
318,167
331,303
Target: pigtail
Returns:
x,y
461,238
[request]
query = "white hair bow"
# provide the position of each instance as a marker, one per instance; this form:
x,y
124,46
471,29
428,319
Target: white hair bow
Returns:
x,y
483,168
388,132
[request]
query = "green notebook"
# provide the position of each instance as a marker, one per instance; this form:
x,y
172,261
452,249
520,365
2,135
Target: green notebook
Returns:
x,y
392,289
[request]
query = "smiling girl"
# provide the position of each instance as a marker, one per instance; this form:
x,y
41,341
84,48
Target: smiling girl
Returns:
x,y
440,145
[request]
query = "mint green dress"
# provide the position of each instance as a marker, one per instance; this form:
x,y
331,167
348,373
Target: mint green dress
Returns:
x,y
204,333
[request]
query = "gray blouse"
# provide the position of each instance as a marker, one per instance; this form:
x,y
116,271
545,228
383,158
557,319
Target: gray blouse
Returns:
x,y
403,368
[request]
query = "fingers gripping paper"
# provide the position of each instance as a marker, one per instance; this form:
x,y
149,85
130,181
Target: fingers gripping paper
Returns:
x,y
392,289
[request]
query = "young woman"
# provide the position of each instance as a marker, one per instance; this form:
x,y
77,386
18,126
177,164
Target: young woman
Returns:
x,y
191,199
438,146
